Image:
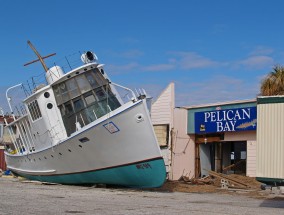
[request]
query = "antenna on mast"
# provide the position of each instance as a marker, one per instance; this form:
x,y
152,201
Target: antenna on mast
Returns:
x,y
40,58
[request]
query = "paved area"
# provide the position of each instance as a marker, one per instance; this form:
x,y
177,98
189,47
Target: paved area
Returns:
x,y
18,197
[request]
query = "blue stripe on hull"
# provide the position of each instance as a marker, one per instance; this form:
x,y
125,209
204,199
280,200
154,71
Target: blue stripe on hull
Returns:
x,y
140,175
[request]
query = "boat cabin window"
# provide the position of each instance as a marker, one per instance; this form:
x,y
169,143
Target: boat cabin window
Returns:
x,y
100,94
72,88
57,94
83,83
68,108
78,104
92,80
84,98
89,98
34,110
64,92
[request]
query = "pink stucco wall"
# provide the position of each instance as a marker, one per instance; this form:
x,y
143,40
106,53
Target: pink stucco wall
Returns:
x,y
240,136
183,147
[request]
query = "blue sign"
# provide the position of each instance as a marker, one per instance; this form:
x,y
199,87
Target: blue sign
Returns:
x,y
239,119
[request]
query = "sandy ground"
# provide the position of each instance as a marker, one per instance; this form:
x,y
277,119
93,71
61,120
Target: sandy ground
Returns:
x,y
19,196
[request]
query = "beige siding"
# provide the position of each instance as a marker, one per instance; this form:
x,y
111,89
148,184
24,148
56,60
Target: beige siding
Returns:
x,y
162,108
251,158
162,114
270,140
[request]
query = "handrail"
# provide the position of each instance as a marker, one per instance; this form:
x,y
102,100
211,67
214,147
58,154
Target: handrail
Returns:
x,y
9,99
133,94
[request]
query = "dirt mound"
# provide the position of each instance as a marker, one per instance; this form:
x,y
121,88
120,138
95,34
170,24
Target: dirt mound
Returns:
x,y
251,182
210,184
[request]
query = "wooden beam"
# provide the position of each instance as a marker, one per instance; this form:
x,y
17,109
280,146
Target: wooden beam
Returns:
x,y
38,59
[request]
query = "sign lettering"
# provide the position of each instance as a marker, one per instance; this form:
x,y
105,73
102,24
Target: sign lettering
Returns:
x,y
238,119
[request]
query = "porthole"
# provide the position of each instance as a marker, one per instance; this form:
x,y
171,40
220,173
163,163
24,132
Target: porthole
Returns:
x,y
51,155
49,105
69,150
60,153
84,139
80,146
46,94
139,117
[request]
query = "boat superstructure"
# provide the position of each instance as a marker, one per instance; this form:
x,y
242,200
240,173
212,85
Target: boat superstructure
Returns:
x,y
77,129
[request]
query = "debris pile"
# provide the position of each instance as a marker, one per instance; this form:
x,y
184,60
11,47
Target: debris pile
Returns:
x,y
215,183
226,182
234,181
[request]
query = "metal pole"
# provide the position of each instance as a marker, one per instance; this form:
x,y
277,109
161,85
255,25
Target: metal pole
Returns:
x,y
8,99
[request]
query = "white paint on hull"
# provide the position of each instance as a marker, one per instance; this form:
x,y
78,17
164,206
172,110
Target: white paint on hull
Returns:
x,y
135,141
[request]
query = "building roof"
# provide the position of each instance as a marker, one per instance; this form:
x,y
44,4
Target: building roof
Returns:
x,y
219,104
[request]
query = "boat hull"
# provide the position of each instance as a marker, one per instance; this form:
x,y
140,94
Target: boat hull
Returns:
x,y
121,150
141,174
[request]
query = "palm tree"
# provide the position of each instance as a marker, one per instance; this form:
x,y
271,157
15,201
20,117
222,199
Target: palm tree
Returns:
x,y
273,84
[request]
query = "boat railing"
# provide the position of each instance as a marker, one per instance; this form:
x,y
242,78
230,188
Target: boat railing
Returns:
x,y
14,96
21,136
133,98
66,63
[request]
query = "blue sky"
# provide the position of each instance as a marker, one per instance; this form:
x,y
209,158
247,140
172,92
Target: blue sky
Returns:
x,y
212,50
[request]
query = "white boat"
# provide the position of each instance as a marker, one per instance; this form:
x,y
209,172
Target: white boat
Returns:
x,y
78,130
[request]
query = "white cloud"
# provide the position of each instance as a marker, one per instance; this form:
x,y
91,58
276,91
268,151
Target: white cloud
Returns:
x,y
188,61
121,69
256,62
192,60
217,89
132,54
261,50
159,67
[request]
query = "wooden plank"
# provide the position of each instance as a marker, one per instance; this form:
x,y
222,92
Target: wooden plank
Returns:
x,y
229,179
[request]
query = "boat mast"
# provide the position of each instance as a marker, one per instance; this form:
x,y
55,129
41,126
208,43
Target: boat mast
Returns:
x,y
40,58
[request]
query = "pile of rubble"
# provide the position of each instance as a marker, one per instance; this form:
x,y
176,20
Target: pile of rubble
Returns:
x,y
224,181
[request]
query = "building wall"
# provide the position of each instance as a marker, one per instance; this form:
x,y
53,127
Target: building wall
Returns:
x,y
251,158
250,137
183,147
162,114
270,137
240,136
162,108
